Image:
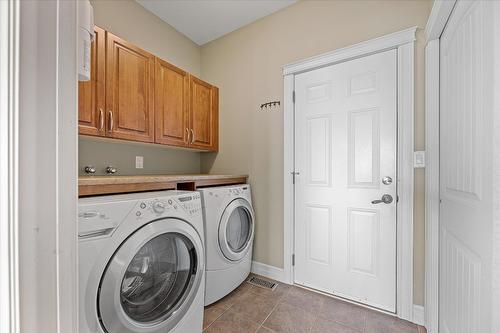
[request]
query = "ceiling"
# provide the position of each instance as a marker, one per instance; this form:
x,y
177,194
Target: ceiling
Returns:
x,y
205,20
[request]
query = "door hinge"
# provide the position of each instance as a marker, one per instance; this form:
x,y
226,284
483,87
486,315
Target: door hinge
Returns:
x,y
293,96
294,174
293,259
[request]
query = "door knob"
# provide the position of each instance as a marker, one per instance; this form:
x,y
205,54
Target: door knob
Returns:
x,y
387,180
386,198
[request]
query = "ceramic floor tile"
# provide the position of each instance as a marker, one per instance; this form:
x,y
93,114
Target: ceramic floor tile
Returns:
x,y
234,296
304,299
296,310
289,319
254,307
382,323
373,317
210,314
230,322
344,313
328,326
422,329
404,326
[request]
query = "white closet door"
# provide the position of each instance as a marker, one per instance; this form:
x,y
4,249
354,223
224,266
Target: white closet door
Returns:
x,y
467,91
345,141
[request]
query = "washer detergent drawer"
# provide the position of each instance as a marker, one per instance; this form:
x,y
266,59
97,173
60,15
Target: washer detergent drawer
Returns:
x,y
99,220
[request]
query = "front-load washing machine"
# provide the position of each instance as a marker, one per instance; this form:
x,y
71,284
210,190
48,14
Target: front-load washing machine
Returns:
x,y
141,263
229,231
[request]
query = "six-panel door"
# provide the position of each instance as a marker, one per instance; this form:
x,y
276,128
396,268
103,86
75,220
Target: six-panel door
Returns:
x,y
203,115
129,91
91,116
171,105
345,145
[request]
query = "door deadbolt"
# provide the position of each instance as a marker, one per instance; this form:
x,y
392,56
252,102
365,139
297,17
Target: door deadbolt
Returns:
x,y
387,180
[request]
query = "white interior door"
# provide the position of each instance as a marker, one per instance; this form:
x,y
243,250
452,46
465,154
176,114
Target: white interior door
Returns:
x,y
345,145
467,88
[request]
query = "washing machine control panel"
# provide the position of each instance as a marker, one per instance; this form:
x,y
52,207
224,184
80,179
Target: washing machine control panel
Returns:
x,y
158,207
190,204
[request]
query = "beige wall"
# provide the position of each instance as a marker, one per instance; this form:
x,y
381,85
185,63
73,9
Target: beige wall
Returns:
x,y
128,20
158,159
247,64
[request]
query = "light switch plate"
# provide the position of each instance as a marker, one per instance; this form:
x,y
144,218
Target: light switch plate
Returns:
x,y
419,159
139,162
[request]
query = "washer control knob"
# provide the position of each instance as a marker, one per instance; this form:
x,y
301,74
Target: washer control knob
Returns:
x,y
158,207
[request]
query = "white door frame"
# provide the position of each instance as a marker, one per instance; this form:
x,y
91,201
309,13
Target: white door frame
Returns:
x,y
38,166
9,262
440,13
403,41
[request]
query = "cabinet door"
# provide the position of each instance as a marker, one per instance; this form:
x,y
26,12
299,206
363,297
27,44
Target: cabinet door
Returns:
x,y
129,91
91,117
204,115
171,104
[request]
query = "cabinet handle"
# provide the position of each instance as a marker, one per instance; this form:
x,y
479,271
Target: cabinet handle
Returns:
x,y
111,125
192,136
101,120
187,132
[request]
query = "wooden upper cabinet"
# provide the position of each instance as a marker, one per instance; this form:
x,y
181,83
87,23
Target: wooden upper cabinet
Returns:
x,y
204,115
133,95
171,104
129,91
91,116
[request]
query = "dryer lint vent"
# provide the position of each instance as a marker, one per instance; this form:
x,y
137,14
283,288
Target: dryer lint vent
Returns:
x,y
259,282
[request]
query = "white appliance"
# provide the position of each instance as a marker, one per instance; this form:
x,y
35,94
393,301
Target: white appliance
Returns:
x,y
85,37
229,231
141,263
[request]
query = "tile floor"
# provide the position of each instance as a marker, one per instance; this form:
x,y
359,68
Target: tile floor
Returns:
x,y
292,309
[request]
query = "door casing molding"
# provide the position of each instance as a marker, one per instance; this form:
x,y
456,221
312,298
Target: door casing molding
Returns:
x,y
47,172
404,42
441,11
9,187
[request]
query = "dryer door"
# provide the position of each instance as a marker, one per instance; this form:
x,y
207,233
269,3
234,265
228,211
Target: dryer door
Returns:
x,y
152,279
236,229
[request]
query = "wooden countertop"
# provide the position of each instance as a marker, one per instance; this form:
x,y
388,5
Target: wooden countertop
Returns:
x,y
98,185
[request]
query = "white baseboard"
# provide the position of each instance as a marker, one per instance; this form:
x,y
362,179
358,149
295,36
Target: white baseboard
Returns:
x,y
418,314
269,271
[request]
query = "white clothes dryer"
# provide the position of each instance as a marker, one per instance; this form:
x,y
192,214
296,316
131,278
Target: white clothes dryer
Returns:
x,y
141,263
229,231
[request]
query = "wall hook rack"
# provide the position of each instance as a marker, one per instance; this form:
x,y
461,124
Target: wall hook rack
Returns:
x,y
270,105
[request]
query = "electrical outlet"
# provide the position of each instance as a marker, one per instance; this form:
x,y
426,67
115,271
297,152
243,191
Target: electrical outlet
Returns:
x,y
419,159
139,162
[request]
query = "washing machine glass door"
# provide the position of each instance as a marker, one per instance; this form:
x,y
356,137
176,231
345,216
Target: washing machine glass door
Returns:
x,y
152,279
236,229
